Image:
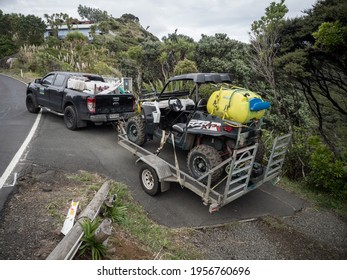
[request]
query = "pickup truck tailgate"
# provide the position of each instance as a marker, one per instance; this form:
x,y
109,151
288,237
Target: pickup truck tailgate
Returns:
x,y
114,103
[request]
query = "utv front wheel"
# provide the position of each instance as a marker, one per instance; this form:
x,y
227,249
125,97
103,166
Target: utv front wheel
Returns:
x,y
202,159
136,130
149,180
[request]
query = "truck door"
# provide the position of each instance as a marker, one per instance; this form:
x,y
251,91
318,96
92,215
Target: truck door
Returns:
x,y
43,90
56,92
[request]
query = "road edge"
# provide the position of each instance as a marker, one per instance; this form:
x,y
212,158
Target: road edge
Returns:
x,y
19,153
4,177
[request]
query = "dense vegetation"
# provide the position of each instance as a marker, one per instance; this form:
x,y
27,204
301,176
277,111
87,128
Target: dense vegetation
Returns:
x,y
299,64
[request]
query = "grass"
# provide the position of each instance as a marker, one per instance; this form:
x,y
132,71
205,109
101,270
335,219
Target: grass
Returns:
x,y
273,222
25,76
319,200
156,237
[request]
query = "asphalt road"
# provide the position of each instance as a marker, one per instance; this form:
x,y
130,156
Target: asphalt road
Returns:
x,y
95,149
15,121
15,124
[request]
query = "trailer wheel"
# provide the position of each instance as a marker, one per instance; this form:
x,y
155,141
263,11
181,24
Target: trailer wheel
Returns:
x,y
149,180
203,158
30,103
136,130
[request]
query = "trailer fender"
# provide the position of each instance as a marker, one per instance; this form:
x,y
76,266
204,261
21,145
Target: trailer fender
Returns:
x,y
161,168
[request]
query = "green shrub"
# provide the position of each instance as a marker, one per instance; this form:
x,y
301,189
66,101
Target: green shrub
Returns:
x,y
296,164
96,249
327,174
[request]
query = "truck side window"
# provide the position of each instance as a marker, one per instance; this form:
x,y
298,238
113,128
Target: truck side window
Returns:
x,y
59,80
48,80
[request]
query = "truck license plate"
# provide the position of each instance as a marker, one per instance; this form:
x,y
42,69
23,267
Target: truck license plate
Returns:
x,y
113,116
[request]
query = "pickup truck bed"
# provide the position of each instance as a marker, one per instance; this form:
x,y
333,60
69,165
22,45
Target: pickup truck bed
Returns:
x,y
80,98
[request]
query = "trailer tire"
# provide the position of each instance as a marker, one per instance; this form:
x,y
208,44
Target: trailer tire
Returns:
x,y
203,158
136,130
149,180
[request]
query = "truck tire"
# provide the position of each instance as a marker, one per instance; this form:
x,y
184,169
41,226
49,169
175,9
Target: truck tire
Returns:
x,y
70,117
31,104
149,180
136,130
203,158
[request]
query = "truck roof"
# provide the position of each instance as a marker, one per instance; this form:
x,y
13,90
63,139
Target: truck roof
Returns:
x,y
202,78
83,74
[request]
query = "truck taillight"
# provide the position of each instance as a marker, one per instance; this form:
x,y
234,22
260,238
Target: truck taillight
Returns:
x,y
228,128
91,102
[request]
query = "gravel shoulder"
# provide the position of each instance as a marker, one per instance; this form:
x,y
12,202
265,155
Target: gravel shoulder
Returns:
x,y
31,221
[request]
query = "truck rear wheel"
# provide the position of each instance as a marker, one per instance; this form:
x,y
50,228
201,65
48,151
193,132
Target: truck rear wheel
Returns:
x,y
149,180
70,117
136,130
30,103
202,159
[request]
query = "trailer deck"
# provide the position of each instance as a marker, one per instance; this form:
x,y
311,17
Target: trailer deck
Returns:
x,y
240,176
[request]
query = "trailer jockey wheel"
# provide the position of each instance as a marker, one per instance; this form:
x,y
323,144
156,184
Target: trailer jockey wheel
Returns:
x,y
149,180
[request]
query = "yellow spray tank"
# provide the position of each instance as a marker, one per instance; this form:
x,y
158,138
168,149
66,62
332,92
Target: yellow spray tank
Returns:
x,y
237,104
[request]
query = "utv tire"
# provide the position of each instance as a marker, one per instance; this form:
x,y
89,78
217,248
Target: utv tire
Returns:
x,y
136,130
149,180
203,158
70,117
31,105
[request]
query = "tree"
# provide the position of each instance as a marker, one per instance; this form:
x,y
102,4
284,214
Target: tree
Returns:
x,y
130,17
91,14
17,30
175,48
185,66
221,54
330,36
136,54
55,21
264,39
313,56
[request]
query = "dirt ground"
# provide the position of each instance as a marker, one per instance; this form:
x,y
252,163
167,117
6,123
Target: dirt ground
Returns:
x,y
31,221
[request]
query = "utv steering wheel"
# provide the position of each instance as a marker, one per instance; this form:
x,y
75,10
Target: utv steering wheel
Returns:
x,y
175,104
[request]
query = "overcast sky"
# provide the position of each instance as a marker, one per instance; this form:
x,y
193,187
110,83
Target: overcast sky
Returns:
x,y
191,18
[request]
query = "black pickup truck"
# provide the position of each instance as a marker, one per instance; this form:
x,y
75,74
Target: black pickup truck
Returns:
x,y
80,98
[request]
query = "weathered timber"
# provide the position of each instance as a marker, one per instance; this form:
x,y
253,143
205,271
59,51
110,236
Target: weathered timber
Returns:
x,y
68,246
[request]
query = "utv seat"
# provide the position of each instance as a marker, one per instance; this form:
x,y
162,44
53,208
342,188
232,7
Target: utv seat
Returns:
x,y
202,105
179,127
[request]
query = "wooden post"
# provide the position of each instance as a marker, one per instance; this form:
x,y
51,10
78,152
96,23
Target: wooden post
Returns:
x,y
69,245
104,230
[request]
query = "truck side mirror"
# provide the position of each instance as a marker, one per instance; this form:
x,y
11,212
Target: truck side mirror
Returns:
x,y
38,81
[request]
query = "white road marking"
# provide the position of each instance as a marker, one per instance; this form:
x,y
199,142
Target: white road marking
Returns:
x,y
20,152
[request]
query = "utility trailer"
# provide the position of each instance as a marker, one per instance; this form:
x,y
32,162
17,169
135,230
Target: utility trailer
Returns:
x,y
242,174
